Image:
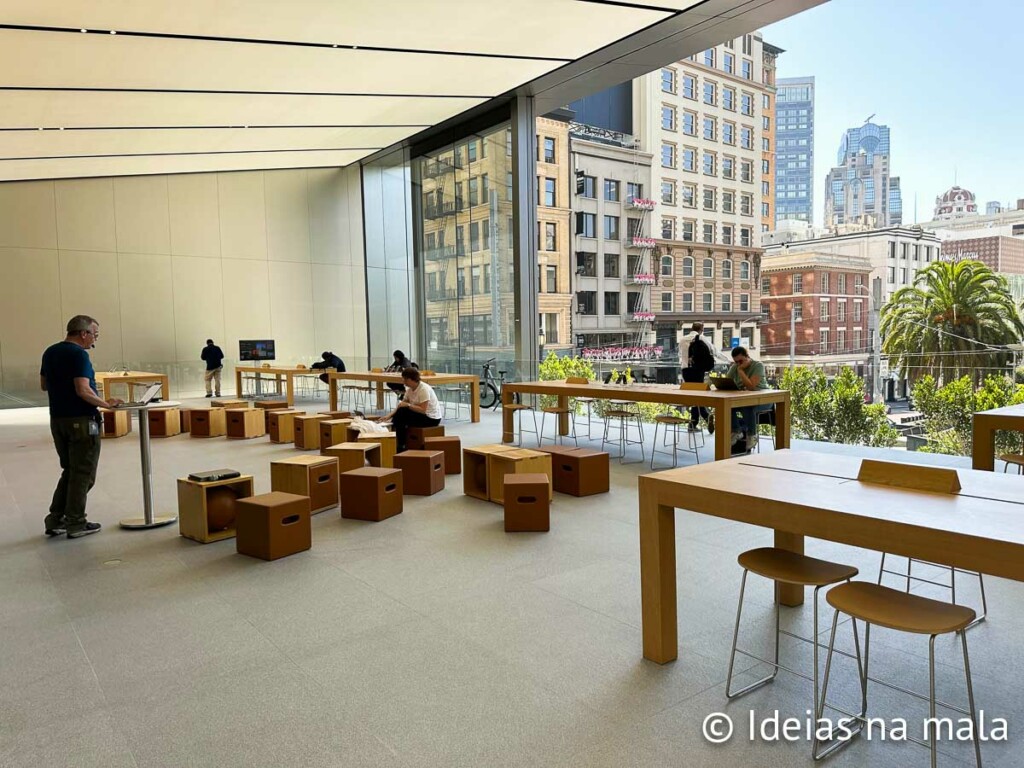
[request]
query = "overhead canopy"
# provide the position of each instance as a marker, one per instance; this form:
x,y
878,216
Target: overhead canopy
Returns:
x,y
121,87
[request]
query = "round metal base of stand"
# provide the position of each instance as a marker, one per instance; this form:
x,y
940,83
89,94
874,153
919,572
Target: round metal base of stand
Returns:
x,y
134,523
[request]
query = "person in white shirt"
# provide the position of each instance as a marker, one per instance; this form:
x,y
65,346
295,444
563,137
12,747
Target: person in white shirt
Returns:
x,y
419,407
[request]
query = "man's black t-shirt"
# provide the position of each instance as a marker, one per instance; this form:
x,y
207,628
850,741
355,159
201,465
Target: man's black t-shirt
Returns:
x,y
213,357
62,364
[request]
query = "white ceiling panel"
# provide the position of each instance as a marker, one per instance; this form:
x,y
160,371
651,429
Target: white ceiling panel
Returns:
x,y
439,25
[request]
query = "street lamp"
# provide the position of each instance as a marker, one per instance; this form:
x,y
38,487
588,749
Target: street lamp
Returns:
x,y
541,340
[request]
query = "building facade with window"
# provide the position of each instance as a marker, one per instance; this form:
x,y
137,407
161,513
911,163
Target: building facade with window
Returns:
x,y
554,235
794,137
610,276
861,187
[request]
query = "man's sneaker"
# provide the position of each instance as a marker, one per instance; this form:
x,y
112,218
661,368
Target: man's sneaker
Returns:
x,y
736,437
55,531
89,528
209,394
711,423
751,442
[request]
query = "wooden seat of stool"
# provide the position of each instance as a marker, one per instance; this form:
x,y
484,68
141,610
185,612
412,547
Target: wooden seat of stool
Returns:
x,y
895,609
517,407
556,409
665,418
620,414
793,568
1012,458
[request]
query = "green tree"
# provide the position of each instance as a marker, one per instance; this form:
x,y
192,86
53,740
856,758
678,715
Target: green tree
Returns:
x,y
949,411
835,411
949,321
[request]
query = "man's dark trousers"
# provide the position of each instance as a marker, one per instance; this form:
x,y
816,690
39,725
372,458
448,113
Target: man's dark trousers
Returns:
x,y
79,453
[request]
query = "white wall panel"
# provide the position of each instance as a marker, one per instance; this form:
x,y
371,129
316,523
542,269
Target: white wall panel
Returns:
x,y
243,219
89,286
85,215
332,309
28,215
198,305
287,215
141,214
291,309
195,215
29,313
147,307
328,216
246,302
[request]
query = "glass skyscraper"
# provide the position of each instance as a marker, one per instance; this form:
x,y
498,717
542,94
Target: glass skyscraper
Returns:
x,y
794,139
860,187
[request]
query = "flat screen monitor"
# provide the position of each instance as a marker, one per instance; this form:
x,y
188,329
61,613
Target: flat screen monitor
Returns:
x,y
257,349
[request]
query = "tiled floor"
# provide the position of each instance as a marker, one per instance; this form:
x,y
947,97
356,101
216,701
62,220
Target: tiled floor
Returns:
x,y
431,639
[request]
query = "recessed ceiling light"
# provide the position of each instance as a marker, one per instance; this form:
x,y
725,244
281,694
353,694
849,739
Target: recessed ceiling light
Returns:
x,y
113,32
355,47
61,128
83,31
334,46
40,129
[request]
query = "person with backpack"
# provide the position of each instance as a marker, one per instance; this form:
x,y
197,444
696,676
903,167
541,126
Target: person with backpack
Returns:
x,y
700,362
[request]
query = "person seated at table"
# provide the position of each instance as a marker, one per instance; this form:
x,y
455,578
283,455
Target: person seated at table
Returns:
x,y
400,363
330,360
748,374
419,407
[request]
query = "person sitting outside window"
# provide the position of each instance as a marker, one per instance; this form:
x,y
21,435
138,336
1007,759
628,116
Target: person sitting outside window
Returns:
x,y
419,407
749,375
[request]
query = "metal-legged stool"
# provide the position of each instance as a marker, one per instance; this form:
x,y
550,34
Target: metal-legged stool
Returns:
x,y
903,612
519,408
766,417
447,393
557,412
908,576
624,419
673,426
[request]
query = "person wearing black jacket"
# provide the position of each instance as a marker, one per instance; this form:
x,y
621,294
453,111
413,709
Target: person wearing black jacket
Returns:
x,y
214,359
330,360
400,363
701,361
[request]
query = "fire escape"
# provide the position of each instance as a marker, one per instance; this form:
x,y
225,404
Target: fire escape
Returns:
x,y
641,272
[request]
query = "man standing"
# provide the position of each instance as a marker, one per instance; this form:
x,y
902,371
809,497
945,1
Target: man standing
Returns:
x,y
700,363
67,377
214,358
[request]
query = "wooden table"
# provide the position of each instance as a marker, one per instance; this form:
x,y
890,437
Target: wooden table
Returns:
x,y
128,378
802,493
286,373
380,379
722,402
984,426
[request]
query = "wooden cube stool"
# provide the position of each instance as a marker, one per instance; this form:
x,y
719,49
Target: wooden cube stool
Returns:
x,y
312,476
371,493
422,471
336,414
273,525
527,506
415,436
230,403
386,440
307,430
332,432
580,472
245,423
475,463
186,422
353,455
207,511
115,423
163,422
451,447
281,425
270,405
520,461
207,422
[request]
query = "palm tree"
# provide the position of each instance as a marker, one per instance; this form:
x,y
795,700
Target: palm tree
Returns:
x,y
953,321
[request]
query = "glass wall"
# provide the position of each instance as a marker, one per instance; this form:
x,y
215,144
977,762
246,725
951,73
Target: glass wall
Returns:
x,y
464,230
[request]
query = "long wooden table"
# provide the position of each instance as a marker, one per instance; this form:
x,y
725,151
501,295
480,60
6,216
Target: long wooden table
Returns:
x,y
380,378
802,493
287,373
721,402
984,426
107,380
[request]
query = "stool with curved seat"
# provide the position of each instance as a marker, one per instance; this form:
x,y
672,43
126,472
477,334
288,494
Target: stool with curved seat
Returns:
x,y
520,408
557,412
673,425
903,612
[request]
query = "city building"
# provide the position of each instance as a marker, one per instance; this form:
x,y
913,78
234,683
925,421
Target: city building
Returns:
x,y
1009,221
998,252
794,159
993,207
955,203
611,279
554,234
707,121
820,302
769,142
861,187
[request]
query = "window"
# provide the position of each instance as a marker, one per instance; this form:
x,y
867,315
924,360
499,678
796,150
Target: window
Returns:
x,y
689,87
687,266
744,302
634,265
766,166
729,99
892,275
708,271
766,310
668,118
841,312
709,57
766,285
841,340
686,231
823,338
746,170
589,186
709,164
746,137
798,283
728,168
708,302
586,302
611,265
690,123
551,279
667,264
747,69
668,229
586,264
687,302
634,302
727,269
477,273
668,156
709,199
798,310
857,341
666,301
917,252
824,310
611,190
824,282
729,63
745,237
474,236
765,188
611,302
611,227
549,193
766,144
551,327
729,133
634,190
508,187
550,236
744,270
668,81
475,329
764,215
549,149
747,104
668,192
709,93
586,224
471,151
858,311
766,123
766,101
903,275
727,234
728,202
709,233
689,160
746,204
841,283
688,195
709,128
727,304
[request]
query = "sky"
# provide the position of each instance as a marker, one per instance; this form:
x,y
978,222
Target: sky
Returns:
x,y
943,75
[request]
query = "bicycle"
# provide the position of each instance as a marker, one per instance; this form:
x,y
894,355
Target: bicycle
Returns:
x,y
490,387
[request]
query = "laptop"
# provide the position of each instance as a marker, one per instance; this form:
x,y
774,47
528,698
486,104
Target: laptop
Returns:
x,y
723,382
147,397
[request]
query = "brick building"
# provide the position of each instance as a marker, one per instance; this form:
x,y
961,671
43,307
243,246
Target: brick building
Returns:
x,y
998,252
